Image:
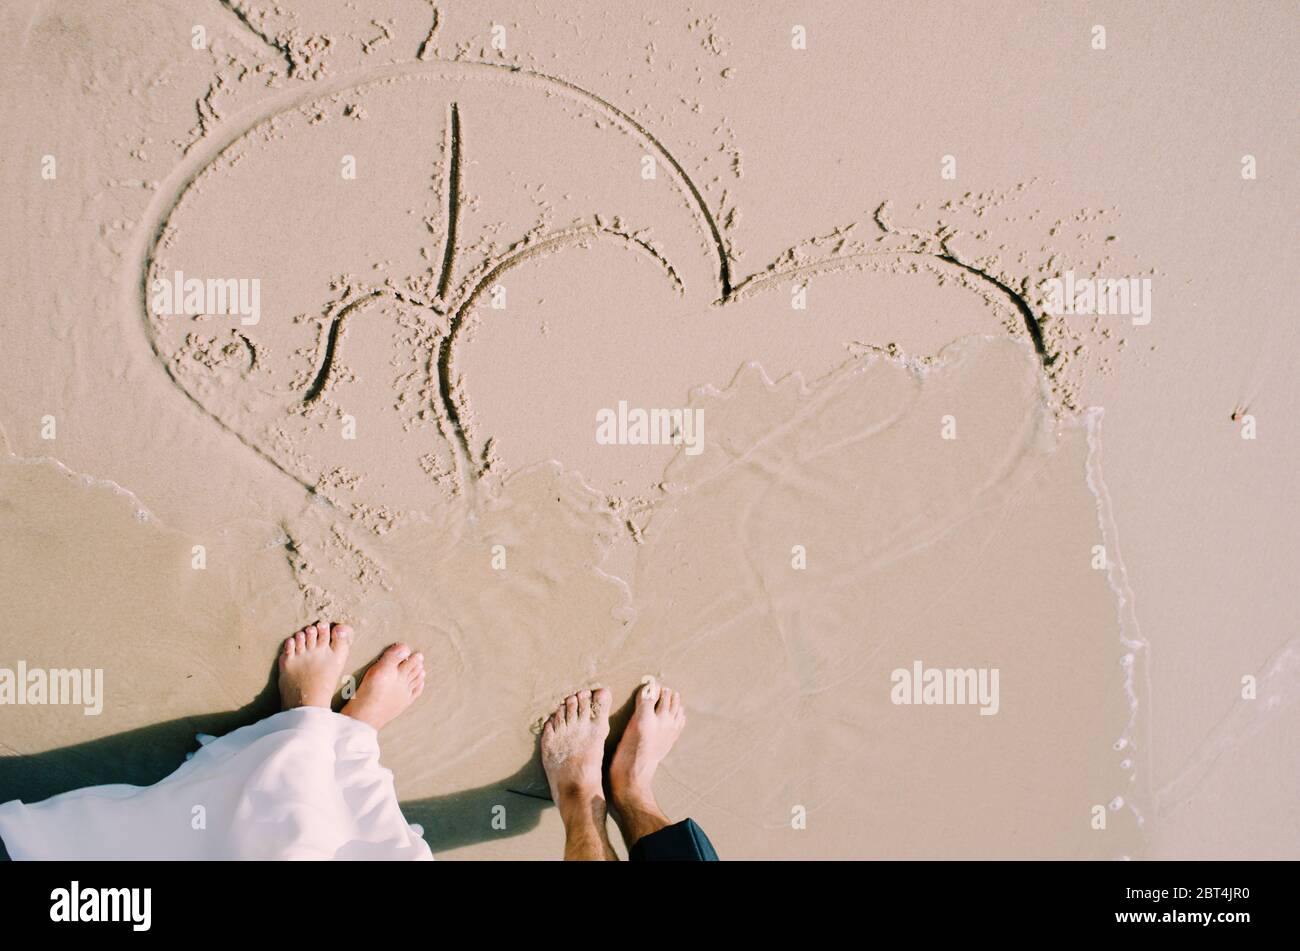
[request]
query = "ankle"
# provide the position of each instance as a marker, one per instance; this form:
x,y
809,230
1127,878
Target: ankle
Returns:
x,y
353,711
580,785
633,795
581,805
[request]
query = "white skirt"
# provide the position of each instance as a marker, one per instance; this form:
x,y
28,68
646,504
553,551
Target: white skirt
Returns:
x,y
303,784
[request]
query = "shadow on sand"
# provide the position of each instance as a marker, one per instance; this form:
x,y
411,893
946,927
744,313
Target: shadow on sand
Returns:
x,y
143,756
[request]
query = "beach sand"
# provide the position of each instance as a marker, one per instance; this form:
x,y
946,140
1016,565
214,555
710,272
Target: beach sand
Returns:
x,y
434,244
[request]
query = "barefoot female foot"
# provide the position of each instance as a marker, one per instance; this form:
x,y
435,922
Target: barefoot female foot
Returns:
x,y
312,664
573,747
656,723
390,686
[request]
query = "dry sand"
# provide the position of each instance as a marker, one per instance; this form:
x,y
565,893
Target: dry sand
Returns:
x,y
462,259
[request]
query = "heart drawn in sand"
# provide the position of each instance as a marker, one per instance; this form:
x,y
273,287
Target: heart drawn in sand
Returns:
x,y
375,286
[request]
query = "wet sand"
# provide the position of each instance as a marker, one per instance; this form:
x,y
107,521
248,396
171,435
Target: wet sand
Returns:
x,y
465,253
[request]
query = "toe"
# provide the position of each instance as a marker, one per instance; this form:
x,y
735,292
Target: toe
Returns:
x,y
571,708
600,698
411,664
396,654
300,642
649,692
676,705
665,700
288,648
584,704
340,637
312,636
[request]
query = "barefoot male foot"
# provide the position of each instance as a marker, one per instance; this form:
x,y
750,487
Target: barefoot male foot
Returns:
x,y
656,723
573,748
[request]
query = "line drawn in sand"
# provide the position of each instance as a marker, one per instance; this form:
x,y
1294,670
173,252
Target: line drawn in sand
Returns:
x,y
450,306
455,299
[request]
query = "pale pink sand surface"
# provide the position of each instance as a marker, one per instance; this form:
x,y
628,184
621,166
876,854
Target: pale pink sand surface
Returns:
x,y
475,228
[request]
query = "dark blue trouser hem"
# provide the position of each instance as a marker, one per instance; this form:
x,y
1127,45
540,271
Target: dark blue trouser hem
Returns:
x,y
682,842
